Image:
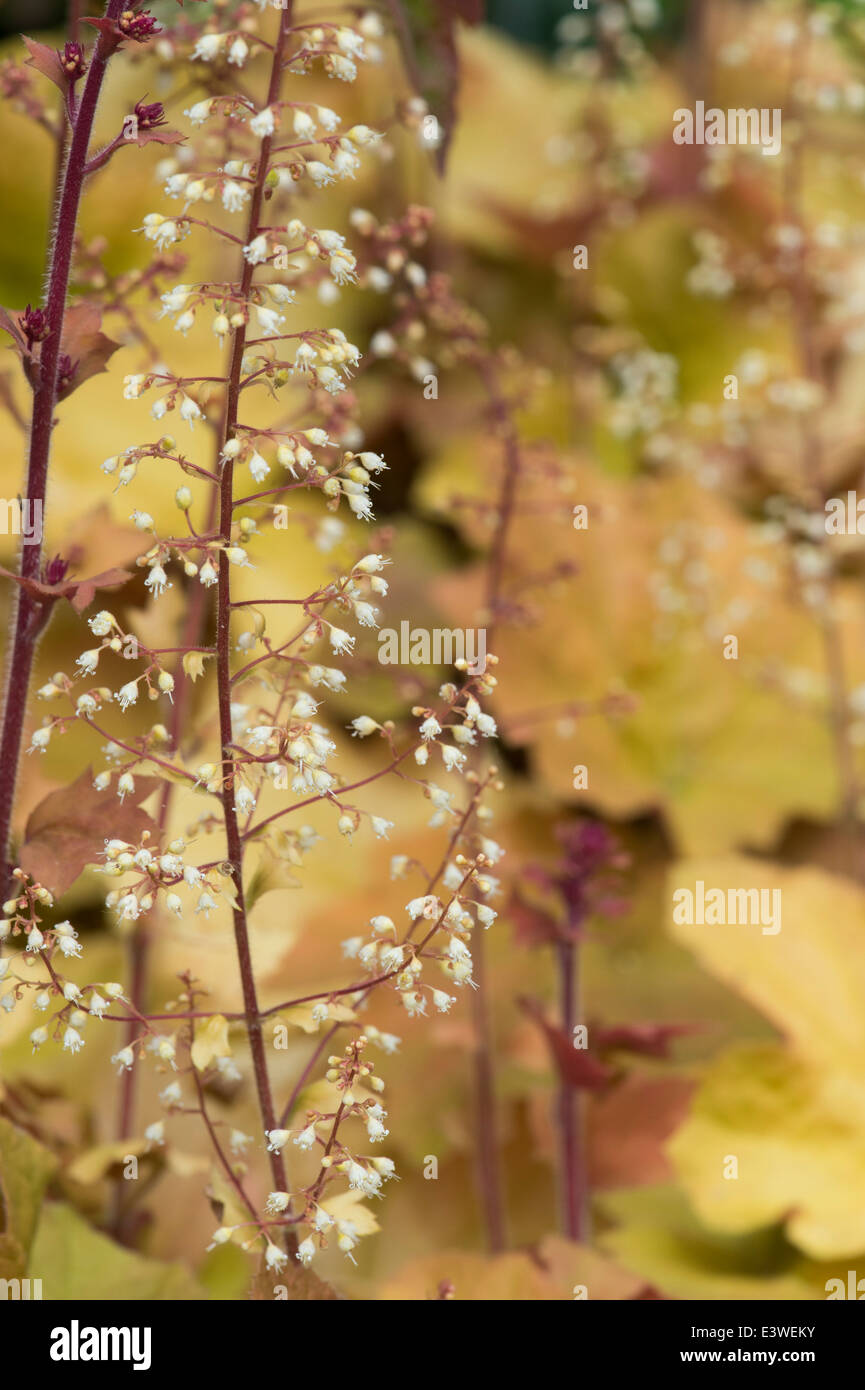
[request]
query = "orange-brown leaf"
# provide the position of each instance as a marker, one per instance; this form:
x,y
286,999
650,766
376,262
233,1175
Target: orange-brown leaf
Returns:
x,y
66,831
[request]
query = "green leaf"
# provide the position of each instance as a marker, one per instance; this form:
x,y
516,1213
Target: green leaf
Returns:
x,y
793,1116
25,1168
75,1262
658,1236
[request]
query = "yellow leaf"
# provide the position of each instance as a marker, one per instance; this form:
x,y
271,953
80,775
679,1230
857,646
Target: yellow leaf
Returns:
x,y
186,1165
300,1016
76,1263
211,1040
557,1269
25,1168
227,1207
791,1116
95,1163
347,1206
656,1234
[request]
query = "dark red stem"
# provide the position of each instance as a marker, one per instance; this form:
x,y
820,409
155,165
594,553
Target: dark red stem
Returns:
x,y
223,660
31,613
486,1136
572,1177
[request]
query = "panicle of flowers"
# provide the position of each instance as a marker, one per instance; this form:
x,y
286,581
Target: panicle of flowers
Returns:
x,y
276,661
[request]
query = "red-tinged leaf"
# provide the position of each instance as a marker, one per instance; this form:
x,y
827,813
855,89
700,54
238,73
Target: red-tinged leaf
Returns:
x,y
541,237
80,592
644,1039
532,926
47,62
161,137
84,590
629,1128
576,1066
108,32
66,831
85,344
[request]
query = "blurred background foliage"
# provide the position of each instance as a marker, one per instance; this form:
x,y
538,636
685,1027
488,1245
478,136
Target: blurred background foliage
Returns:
x,y
725,771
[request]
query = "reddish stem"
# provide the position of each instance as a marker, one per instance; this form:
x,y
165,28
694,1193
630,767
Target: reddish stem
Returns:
x,y
223,659
488,1169
572,1176
32,613
139,945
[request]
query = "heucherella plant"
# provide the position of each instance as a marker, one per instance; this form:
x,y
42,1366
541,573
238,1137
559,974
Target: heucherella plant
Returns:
x,y
255,151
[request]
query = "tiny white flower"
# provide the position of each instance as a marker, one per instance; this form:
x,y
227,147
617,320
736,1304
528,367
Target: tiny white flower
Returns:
x,y
375,1130
304,125
442,1000
258,467
327,119
40,739
220,1236
189,411
320,174
277,1203
276,1139
128,908
274,1258
72,1041
234,195
88,661
427,907
127,694
172,1094
257,251
208,47
340,640
264,123
269,321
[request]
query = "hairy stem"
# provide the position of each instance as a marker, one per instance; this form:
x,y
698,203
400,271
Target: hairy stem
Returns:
x,y
489,1175
572,1175
488,1167
31,613
223,658
139,944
